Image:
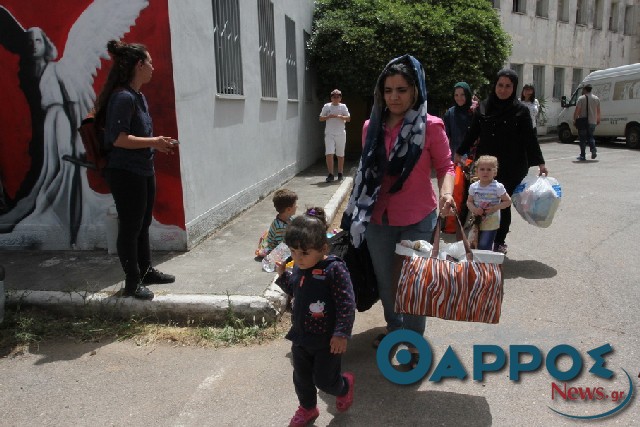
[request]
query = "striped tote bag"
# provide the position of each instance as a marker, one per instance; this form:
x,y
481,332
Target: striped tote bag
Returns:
x,y
468,290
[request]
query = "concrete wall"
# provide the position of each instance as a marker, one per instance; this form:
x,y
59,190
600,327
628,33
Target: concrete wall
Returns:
x,y
549,42
237,149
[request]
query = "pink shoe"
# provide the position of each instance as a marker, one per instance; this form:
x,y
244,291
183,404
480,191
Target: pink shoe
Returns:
x,y
343,403
304,417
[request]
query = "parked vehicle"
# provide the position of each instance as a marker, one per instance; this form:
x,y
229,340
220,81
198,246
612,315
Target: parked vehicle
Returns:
x,y
619,92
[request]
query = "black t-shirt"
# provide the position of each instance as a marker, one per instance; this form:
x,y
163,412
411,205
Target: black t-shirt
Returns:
x,y
128,112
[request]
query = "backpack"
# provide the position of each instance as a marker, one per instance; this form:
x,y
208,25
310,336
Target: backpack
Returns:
x,y
93,141
92,135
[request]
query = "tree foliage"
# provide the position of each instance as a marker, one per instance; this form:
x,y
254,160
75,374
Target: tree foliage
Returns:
x,y
455,40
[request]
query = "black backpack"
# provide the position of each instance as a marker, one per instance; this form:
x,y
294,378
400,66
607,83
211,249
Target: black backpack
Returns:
x,y
360,269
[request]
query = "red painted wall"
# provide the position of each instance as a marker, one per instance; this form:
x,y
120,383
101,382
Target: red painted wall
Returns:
x,y
55,19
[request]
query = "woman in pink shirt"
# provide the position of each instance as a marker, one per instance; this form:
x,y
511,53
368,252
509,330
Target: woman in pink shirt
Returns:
x,y
393,198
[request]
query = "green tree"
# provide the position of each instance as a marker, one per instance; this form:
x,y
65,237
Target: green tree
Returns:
x,y
454,40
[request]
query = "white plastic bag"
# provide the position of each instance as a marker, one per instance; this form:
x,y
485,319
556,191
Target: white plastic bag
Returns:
x,y
537,199
454,250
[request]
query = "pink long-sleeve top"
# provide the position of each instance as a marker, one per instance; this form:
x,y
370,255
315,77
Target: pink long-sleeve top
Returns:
x,y
417,198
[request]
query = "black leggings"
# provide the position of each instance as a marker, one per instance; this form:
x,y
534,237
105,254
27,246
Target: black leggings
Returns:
x,y
134,196
505,214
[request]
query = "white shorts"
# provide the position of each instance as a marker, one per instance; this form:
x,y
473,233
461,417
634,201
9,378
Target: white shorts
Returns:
x,y
334,144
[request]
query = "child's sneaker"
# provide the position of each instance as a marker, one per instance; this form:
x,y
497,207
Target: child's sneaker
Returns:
x,y
344,402
304,417
339,177
502,247
329,178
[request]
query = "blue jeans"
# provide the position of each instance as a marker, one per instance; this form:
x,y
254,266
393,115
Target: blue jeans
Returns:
x,y
381,240
485,239
586,137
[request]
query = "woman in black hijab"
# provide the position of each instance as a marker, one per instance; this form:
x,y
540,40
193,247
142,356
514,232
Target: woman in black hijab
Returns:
x,y
504,127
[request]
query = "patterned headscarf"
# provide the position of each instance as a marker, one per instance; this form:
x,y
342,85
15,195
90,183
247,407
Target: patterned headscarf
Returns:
x,y
403,156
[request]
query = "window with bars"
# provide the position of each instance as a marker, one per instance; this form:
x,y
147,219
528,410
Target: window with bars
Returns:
x,y
292,63
558,82
538,80
267,49
581,12
308,96
542,8
226,41
496,4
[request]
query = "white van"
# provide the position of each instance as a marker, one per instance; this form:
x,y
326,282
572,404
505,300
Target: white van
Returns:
x,y
619,92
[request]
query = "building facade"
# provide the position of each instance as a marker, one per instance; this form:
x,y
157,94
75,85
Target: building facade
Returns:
x,y
230,82
557,43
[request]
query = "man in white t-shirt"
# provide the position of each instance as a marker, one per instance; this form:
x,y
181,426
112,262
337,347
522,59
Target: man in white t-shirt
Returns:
x,y
588,105
336,115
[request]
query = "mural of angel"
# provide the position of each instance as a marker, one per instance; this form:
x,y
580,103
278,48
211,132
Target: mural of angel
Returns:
x,y
55,195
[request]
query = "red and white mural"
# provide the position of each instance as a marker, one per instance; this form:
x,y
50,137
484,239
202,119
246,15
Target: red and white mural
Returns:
x,y
53,61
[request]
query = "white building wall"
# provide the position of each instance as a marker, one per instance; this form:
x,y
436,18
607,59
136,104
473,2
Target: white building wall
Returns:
x,y
552,43
235,150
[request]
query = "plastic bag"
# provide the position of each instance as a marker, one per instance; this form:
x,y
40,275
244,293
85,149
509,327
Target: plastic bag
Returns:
x,y
537,199
279,254
451,251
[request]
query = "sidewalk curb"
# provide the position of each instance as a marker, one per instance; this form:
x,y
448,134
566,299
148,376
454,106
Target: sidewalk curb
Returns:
x,y
200,307
206,308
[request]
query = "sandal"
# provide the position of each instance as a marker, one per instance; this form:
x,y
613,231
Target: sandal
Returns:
x,y
378,340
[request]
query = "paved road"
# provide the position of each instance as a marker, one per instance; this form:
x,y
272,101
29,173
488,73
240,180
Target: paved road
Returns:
x,y
573,283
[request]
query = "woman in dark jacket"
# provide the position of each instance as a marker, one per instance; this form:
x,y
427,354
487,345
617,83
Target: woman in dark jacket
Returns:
x,y
504,127
458,118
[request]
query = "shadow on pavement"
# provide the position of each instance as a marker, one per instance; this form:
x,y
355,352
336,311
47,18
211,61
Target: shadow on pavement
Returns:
x,y
528,269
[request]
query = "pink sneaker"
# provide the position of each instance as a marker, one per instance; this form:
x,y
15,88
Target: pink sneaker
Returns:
x,y
344,402
304,417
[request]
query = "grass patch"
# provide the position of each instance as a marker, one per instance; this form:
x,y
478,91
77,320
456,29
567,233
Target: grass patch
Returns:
x,y
25,328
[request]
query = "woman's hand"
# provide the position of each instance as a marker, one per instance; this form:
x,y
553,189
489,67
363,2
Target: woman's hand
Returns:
x,y
457,159
543,170
447,205
163,144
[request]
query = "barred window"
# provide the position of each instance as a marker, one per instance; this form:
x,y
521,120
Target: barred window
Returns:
x,y
308,96
496,4
292,68
226,41
267,48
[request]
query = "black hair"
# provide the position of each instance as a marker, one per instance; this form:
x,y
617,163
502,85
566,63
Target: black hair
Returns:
x,y
533,94
308,231
125,58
